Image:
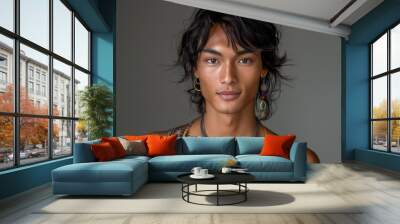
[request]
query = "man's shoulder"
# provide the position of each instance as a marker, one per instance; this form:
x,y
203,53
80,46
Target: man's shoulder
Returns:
x,y
180,130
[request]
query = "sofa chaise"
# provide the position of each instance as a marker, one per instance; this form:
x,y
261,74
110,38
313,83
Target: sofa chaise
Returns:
x,y
126,175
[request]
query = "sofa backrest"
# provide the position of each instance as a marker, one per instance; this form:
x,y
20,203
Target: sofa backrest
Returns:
x,y
206,145
83,152
249,145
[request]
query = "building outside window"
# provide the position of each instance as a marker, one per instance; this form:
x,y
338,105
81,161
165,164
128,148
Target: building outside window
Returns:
x,y
43,90
3,61
37,75
30,87
30,72
3,72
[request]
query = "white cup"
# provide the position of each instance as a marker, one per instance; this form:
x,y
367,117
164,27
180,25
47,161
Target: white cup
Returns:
x,y
203,172
196,170
226,170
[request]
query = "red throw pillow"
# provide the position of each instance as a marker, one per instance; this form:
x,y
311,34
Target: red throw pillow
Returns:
x,y
159,145
275,145
116,145
103,151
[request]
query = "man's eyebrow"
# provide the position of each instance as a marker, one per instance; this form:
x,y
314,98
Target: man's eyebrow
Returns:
x,y
244,51
212,51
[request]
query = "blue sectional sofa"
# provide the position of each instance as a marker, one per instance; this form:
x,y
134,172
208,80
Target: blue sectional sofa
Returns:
x,y
126,175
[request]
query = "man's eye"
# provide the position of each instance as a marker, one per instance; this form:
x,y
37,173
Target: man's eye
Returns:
x,y
211,60
245,60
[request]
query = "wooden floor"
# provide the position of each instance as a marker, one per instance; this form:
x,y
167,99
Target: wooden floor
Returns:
x,y
378,188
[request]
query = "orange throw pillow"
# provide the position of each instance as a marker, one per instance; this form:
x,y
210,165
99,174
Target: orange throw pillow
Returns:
x,y
116,145
275,145
103,151
159,145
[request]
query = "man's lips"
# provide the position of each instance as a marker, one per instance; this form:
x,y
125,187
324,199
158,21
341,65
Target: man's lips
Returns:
x,y
228,92
229,95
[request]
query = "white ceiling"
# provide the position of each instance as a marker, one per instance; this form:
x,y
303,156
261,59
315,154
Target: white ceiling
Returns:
x,y
319,9
314,15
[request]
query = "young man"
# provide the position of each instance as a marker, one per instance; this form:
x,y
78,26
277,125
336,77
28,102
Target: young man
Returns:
x,y
234,65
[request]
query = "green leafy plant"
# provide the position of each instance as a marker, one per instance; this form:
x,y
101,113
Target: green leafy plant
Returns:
x,y
96,102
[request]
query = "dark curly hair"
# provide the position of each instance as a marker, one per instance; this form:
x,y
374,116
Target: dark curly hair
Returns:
x,y
250,34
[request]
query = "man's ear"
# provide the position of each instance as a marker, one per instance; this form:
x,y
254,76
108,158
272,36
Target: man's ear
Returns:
x,y
195,73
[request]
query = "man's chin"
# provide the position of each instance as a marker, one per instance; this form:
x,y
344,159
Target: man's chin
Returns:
x,y
228,110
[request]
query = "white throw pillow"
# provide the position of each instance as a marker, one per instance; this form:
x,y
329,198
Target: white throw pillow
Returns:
x,y
134,147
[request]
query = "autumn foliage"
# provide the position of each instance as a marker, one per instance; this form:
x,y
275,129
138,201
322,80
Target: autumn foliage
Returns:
x,y
380,127
33,131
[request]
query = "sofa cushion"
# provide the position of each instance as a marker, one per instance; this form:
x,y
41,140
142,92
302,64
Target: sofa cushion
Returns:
x,y
257,163
131,158
249,145
185,163
206,145
111,171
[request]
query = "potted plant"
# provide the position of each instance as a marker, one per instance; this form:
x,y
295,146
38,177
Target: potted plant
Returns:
x,y
96,102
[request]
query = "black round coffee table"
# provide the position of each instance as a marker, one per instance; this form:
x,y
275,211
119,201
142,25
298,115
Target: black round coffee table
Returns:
x,y
238,179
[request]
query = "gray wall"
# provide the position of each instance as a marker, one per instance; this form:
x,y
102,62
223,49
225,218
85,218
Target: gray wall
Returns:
x,y
149,99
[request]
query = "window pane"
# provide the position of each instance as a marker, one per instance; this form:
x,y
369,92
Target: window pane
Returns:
x,y
379,135
34,97
6,74
395,136
395,94
62,29
379,55
81,81
7,14
6,142
33,140
35,21
62,89
395,47
81,131
81,45
379,100
62,137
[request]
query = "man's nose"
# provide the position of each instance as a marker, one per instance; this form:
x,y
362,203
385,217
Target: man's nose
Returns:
x,y
228,74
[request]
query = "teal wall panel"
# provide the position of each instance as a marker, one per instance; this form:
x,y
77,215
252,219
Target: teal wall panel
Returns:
x,y
355,145
24,178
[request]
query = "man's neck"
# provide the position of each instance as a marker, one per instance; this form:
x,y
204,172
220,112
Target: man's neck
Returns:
x,y
238,124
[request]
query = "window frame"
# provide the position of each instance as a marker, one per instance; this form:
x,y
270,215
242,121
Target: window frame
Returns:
x,y
388,74
16,115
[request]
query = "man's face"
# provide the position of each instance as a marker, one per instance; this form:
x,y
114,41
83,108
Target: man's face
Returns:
x,y
229,79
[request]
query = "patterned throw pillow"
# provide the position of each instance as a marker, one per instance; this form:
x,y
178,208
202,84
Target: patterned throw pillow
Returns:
x,y
133,147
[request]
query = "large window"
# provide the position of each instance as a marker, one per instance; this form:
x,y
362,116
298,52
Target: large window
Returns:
x,y
385,91
44,64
